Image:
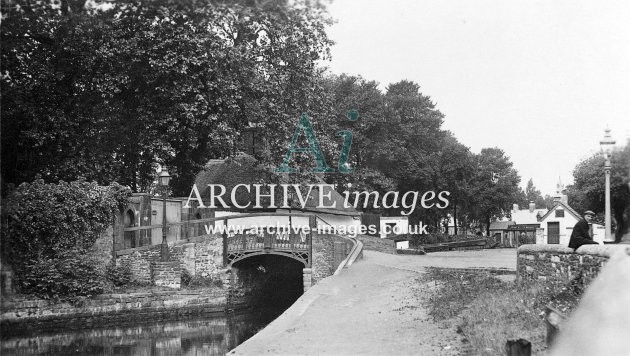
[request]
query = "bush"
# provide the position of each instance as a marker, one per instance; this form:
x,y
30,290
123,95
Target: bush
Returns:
x,y
119,275
49,233
71,274
189,281
186,277
49,219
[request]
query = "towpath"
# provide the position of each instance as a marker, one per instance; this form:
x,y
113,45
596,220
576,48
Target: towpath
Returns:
x,y
372,308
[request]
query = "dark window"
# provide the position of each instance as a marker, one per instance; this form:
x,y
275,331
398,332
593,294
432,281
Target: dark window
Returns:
x,y
559,213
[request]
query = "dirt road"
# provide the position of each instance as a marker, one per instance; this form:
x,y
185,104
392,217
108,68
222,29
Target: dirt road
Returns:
x,y
372,308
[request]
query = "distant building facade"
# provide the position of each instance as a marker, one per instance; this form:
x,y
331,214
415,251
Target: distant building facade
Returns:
x,y
542,226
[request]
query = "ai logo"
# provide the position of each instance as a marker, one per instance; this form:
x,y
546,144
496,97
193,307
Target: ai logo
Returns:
x,y
304,124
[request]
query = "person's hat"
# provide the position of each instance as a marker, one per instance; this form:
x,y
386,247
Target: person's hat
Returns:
x,y
588,212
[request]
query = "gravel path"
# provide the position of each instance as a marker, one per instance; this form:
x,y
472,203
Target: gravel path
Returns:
x,y
372,308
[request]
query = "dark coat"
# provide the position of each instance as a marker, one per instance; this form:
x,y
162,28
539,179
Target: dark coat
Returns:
x,y
580,231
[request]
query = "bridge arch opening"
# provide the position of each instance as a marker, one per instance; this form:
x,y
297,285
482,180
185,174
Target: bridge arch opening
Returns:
x,y
272,280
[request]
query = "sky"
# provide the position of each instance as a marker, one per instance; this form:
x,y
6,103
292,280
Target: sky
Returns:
x,y
541,80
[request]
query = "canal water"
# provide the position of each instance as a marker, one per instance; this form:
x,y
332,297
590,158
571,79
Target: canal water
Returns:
x,y
210,335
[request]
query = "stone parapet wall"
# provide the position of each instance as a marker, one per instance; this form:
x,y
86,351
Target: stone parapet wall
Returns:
x,y
208,255
556,264
328,252
24,313
204,257
372,243
323,257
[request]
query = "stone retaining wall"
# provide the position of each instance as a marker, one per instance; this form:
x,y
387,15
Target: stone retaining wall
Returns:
x,y
23,314
166,274
556,264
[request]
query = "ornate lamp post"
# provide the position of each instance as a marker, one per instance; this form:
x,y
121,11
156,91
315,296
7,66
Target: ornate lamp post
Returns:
x,y
607,142
163,180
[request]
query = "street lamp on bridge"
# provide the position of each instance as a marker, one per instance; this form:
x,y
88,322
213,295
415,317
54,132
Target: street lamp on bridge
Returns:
x,y
163,179
607,142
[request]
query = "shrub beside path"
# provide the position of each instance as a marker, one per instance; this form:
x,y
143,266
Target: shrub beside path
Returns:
x,y
371,308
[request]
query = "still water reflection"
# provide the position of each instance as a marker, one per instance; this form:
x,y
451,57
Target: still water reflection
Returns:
x,y
212,335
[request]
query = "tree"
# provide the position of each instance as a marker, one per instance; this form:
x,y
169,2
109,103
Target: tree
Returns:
x,y
588,189
533,195
398,143
494,187
407,142
107,94
449,169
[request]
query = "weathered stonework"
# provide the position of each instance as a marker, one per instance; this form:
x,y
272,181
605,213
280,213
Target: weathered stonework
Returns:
x,y
377,244
557,265
209,257
203,257
307,278
328,252
22,313
323,257
166,274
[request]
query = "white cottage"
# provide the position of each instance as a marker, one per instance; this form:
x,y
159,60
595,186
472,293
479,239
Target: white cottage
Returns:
x,y
557,224
553,226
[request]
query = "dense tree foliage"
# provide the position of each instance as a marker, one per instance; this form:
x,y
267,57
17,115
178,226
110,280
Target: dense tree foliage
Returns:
x,y
399,144
588,189
109,91
494,186
533,195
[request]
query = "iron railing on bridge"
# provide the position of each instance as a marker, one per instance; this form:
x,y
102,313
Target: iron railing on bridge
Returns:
x,y
239,243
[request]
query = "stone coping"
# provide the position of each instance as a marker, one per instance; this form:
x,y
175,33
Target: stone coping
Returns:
x,y
129,251
594,250
114,297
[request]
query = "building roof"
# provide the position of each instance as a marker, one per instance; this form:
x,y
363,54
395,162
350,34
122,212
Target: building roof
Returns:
x,y
525,216
245,169
500,225
394,218
398,238
565,206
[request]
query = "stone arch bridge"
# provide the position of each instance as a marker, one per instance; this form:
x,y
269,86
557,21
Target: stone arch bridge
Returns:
x,y
209,249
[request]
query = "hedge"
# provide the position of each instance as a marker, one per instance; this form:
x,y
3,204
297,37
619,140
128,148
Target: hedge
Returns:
x,y
49,230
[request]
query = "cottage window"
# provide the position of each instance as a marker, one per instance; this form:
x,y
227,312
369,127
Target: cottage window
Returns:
x,y
559,213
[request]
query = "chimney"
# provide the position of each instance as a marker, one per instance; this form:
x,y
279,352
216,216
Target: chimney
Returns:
x,y
532,206
514,207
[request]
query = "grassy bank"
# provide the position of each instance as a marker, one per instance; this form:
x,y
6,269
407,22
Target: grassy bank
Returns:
x,y
488,310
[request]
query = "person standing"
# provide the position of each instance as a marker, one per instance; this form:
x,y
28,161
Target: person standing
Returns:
x,y
581,235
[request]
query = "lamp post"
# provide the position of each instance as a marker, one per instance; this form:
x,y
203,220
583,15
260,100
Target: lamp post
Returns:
x,y
607,142
163,180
